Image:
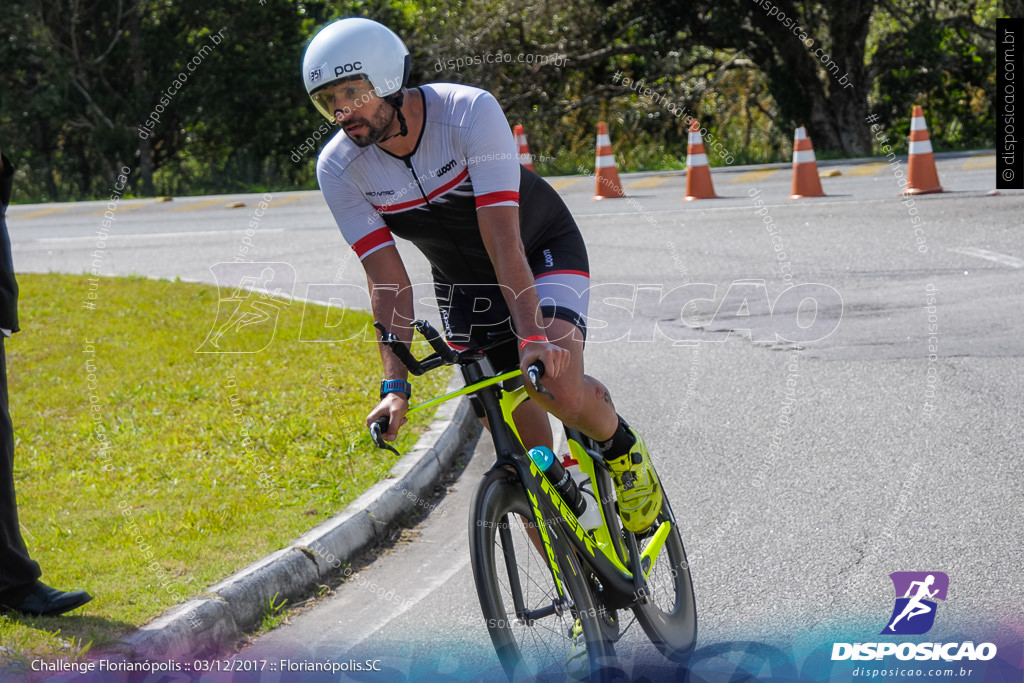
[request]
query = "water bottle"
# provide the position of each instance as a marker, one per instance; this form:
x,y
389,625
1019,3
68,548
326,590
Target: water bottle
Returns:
x,y
566,486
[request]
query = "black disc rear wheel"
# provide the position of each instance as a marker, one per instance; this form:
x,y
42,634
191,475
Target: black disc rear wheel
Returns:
x,y
669,617
538,632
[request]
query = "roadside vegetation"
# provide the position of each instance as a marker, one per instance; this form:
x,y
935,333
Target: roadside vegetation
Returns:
x,y
147,472
204,98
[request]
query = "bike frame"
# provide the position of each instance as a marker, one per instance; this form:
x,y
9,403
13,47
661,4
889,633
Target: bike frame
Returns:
x,y
616,562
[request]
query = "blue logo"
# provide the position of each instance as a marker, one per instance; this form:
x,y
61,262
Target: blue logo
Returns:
x,y
916,593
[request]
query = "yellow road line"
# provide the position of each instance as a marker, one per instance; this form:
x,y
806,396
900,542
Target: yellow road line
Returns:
x,y
42,212
200,205
653,181
293,198
754,176
975,163
126,207
873,168
564,183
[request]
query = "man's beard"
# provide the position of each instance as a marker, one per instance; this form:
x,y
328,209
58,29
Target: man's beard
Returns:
x,y
372,130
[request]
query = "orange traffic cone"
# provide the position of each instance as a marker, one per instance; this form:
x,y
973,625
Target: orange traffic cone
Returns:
x,y
922,176
525,158
698,173
806,182
608,184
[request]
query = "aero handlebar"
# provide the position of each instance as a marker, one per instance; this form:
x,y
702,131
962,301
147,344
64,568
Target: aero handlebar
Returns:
x,y
442,355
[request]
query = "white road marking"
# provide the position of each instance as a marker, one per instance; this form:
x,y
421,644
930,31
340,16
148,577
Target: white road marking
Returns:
x,y
429,585
1004,259
192,233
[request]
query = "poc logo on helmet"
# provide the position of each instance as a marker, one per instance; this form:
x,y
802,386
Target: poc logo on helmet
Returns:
x,y
347,68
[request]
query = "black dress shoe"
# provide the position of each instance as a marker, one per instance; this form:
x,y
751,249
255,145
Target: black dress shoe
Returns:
x,y
44,601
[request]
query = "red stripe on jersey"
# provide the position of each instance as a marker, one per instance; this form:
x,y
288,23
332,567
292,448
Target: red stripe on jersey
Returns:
x,y
377,238
449,185
392,208
420,201
563,272
496,198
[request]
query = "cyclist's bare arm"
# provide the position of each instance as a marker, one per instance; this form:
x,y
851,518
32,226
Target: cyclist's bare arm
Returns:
x,y
499,228
392,303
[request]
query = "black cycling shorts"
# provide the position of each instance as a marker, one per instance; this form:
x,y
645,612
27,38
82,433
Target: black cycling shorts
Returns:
x,y
473,314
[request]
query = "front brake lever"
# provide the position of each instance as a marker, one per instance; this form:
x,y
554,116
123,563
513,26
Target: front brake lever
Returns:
x,y
377,429
535,372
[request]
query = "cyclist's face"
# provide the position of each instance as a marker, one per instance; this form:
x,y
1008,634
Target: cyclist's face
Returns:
x,y
348,97
357,109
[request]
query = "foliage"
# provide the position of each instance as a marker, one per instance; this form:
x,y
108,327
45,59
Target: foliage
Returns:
x,y
81,78
211,460
925,53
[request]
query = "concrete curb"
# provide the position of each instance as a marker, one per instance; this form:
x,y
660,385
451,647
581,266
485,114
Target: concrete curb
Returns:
x,y
205,624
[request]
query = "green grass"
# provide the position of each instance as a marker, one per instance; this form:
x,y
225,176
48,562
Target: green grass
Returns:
x,y
214,459
274,614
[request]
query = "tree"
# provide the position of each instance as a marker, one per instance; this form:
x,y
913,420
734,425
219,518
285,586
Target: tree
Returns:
x,y
941,55
812,55
82,79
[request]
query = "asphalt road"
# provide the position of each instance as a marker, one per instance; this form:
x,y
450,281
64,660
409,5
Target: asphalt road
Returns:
x,y
840,400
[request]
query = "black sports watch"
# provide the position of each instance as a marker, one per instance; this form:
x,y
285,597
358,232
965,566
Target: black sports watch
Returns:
x,y
388,386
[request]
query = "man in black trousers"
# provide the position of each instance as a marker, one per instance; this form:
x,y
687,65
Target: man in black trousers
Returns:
x,y
20,588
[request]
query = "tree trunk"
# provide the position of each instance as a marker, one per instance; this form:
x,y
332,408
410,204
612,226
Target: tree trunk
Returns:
x,y
830,97
138,83
848,102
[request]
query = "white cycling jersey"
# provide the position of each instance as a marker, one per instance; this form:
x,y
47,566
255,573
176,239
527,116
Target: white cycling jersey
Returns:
x,y
465,159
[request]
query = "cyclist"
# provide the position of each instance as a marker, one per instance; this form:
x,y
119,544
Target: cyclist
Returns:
x,y
437,165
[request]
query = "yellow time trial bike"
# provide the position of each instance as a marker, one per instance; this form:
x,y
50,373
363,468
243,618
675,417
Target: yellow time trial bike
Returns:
x,y
552,591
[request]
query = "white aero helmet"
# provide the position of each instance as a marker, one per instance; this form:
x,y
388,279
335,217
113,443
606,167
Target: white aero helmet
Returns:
x,y
354,47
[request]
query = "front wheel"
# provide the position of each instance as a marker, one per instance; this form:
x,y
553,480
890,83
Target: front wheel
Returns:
x,y
669,617
538,631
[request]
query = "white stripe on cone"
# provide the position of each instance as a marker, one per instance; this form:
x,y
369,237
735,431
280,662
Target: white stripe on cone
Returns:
x,y
802,156
603,140
607,161
917,123
697,160
801,133
920,146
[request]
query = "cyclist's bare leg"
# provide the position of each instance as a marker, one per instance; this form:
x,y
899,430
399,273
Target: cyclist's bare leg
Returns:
x,y
535,430
532,422
533,425
581,402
